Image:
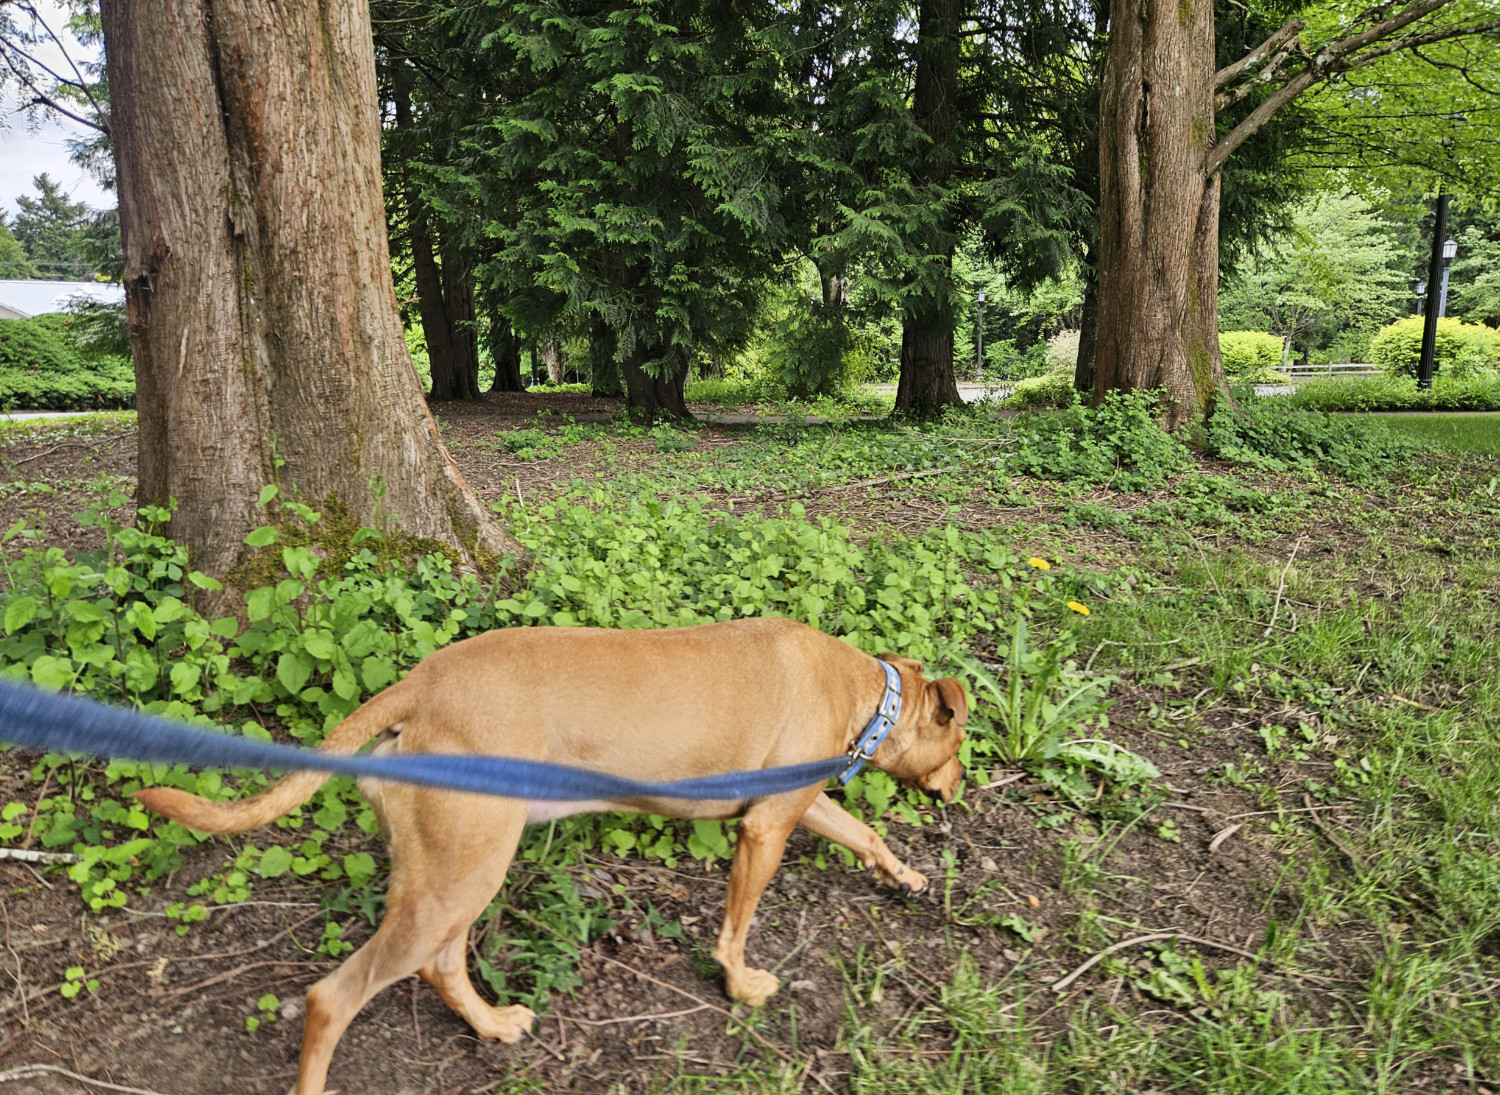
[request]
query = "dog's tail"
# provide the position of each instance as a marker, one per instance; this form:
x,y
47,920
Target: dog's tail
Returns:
x,y
206,816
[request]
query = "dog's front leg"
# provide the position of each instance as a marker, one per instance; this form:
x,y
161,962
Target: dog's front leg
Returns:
x,y
762,839
829,820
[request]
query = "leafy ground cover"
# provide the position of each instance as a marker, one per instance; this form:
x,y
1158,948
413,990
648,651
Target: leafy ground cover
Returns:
x,y
1230,826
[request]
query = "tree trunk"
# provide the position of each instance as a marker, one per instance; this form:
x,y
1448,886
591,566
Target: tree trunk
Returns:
x,y
463,331
1159,209
927,382
604,369
263,320
505,351
552,358
1088,335
659,396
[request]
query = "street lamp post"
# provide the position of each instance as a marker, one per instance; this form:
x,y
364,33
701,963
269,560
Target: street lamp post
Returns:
x,y
979,341
1450,248
1436,271
1421,295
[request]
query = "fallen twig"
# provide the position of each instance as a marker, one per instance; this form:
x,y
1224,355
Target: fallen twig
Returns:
x,y
1063,982
26,1072
1350,854
29,856
1224,834
1281,588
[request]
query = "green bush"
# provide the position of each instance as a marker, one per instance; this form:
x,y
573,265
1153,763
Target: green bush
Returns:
x,y
41,368
1250,355
1120,442
1277,435
1463,349
1397,393
1051,390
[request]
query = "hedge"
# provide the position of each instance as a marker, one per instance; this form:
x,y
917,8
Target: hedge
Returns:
x,y
1397,393
42,369
1462,349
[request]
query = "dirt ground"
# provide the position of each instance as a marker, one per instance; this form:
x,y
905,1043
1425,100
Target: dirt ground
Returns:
x,y
169,1014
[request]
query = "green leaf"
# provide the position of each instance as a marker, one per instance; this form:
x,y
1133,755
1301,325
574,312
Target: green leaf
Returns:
x,y
292,670
185,677
52,674
263,536
377,672
267,492
260,603
203,581
359,867
19,613
276,862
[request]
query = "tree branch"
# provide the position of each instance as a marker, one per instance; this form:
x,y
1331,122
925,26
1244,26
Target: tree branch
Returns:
x,y
1273,44
1333,58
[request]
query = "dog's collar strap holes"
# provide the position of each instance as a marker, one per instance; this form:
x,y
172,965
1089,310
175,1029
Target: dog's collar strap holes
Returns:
x,y
876,729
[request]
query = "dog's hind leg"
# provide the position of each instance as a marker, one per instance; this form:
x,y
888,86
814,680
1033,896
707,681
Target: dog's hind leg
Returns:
x,y
762,839
827,819
449,856
449,974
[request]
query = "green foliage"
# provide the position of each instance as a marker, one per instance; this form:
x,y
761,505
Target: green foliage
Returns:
x,y
1474,289
1250,355
13,260
805,353
1120,442
1462,350
1277,435
1336,270
42,368
1397,393
48,227
1050,390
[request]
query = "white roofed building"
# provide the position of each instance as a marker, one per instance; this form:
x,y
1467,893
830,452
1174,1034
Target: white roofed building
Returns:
x,y
24,299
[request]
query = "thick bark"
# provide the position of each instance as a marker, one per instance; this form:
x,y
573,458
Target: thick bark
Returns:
x,y
505,351
1088,335
927,381
604,369
263,320
659,396
927,384
1159,209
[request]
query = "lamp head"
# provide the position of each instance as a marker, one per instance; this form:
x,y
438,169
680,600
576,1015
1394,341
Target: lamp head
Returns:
x,y
1421,288
1450,248
981,296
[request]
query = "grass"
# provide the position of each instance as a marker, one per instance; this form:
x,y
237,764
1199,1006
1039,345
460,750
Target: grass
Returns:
x,y
1473,432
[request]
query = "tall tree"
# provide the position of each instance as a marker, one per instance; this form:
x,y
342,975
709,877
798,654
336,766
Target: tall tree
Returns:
x,y
625,158
48,227
1161,155
263,320
13,260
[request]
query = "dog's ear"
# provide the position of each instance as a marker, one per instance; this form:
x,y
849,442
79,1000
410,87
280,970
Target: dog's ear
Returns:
x,y
949,701
899,661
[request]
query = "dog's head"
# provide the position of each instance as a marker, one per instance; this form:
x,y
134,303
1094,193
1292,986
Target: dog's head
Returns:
x,y
926,755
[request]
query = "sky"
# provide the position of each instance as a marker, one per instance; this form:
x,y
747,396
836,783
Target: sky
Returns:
x,y
27,150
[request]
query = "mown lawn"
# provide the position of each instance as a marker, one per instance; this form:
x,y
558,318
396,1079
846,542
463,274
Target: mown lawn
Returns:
x,y
1477,432
1257,851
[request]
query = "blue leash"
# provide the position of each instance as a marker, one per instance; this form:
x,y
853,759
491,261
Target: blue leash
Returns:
x,y
71,724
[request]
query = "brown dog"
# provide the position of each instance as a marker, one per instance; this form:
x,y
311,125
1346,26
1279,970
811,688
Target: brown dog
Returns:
x,y
644,705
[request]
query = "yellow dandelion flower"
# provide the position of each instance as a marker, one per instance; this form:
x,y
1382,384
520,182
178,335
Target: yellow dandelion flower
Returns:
x,y
1040,564
1082,610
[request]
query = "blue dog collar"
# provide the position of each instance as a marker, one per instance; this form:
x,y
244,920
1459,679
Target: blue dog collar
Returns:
x,y
876,729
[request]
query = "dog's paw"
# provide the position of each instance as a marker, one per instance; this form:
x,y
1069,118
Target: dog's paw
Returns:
x,y
507,1024
753,987
911,883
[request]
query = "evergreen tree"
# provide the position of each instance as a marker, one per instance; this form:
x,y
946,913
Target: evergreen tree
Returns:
x,y
48,228
13,260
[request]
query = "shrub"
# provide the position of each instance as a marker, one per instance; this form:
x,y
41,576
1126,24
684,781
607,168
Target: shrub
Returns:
x,y
41,368
1247,354
1062,351
1462,350
1397,393
1120,442
1052,390
1277,435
